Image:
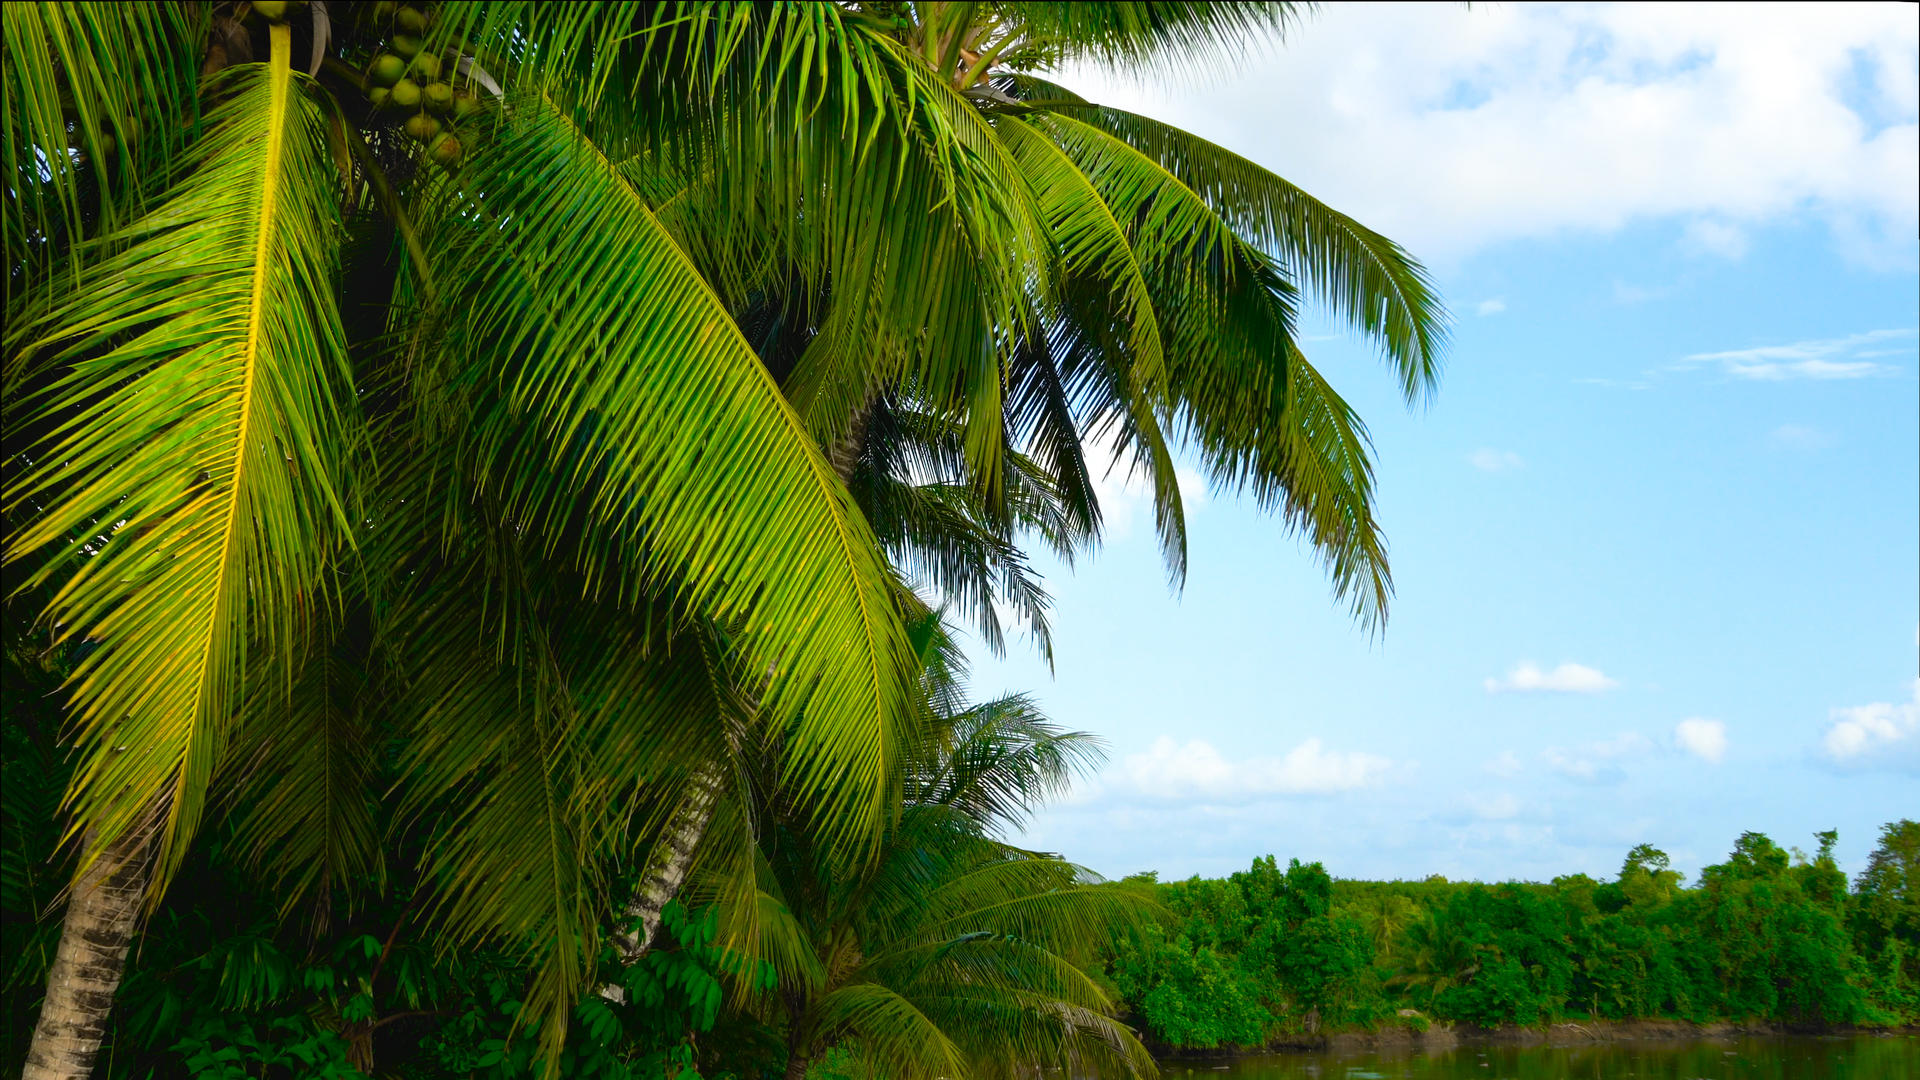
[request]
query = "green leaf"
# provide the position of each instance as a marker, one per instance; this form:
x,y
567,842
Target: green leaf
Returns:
x,y
187,403
613,389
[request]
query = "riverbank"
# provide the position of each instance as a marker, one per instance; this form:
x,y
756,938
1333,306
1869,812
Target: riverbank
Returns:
x,y
1658,1055
1566,1033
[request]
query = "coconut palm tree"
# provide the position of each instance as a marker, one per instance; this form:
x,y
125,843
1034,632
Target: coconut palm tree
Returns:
x,y
1164,316
1437,955
951,953
536,344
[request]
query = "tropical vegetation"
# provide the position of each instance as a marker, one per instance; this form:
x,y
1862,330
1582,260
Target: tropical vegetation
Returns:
x,y
476,472
1269,956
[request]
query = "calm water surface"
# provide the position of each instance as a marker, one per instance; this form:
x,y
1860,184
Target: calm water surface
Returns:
x,y
1773,1058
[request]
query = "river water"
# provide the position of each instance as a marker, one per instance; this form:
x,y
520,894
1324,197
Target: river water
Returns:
x,y
1853,1057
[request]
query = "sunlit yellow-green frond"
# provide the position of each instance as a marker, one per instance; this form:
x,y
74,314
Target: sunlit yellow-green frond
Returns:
x,y
1228,317
1136,36
186,409
1363,277
609,392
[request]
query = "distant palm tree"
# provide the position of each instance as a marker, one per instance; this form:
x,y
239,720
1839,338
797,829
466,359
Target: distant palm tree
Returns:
x,y
950,953
555,407
1436,955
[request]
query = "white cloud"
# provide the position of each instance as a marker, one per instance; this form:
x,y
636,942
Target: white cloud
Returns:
x,y
1490,307
1883,735
1125,491
1704,236
1703,738
1487,459
1507,763
1195,769
1598,762
1565,679
1828,358
1525,120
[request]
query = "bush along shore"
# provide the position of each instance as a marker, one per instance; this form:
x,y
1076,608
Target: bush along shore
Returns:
x,y
1769,940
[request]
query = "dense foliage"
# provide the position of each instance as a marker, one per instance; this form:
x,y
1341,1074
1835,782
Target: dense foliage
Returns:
x,y
1769,936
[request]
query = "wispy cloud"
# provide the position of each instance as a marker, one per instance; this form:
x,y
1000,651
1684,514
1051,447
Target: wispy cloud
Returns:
x,y
1597,762
1880,736
1703,738
1566,679
1705,236
1175,770
1619,384
1501,807
1799,437
1493,306
1826,358
1625,292
1487,459
1124,490
1506,763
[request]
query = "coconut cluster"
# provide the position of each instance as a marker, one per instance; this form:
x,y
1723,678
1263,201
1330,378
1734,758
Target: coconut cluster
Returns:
x,y
405,78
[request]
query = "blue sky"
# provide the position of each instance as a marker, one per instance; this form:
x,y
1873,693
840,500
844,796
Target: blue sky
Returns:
x,y
1656,540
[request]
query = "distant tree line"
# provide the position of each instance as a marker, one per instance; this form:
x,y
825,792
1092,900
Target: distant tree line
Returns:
x,y
1769,935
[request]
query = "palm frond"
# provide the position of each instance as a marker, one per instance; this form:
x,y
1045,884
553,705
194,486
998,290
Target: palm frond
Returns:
x,y
123,78
493,767
189,440
300,778
1228,316
1005,1030
1000,759
1363,277
612,395
899,1039
1132,35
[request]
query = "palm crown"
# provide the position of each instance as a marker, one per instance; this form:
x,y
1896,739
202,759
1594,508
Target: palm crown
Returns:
x,y
641,388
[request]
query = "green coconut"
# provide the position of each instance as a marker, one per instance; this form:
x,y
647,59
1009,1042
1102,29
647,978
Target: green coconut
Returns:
x,y
426,67
446,151
411,20
405,44
382,12
465,105
406,94
271,10
422,127
438,97
387,69
378,96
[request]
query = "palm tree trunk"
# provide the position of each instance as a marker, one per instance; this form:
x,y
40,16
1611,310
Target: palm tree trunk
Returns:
x,y
797,1065
845,453
672,857
102,910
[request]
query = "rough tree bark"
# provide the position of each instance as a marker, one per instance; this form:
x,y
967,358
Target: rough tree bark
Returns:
x,y
797,1065
102,911
672,857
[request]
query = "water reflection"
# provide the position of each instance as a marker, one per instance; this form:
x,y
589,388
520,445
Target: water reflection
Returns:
x,y
1863,1057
